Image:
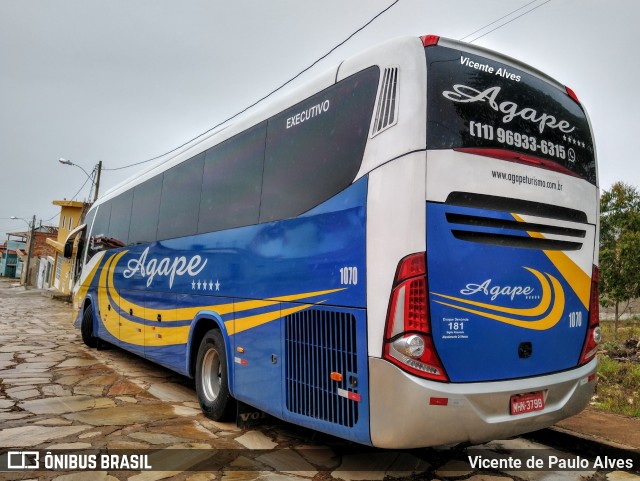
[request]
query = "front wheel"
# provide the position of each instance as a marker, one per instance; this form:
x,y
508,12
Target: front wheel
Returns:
x,y
212,380
86,328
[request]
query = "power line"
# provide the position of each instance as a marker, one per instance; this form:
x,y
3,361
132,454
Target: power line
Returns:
x,y
267,95
57,214
496,21
81,187
508,22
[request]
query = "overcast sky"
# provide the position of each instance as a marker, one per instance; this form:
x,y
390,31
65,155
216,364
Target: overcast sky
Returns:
x,y
122,81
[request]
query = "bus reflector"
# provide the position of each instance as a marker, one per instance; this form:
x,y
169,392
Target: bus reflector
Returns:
x,y
572,94
336,376
590,348
408,342
353,396
430,40
438,401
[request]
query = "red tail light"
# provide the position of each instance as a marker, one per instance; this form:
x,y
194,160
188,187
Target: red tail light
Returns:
x,y
408,342
572,94
590,348
429,40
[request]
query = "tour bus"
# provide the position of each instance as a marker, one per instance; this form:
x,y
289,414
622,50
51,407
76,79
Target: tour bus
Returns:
x,y
401,253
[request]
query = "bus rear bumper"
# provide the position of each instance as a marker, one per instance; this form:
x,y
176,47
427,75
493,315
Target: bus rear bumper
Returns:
x,y
410,412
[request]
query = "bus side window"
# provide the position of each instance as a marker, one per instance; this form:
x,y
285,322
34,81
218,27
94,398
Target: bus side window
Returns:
x,y
118,233
180,198
232,181
315,148
99,229
145,211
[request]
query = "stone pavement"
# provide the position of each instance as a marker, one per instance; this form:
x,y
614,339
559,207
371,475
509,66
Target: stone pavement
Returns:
x,y
56,394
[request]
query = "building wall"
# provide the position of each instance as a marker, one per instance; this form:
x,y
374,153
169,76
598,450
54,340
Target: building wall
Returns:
x,y
40,248
62,274
70,218
11,265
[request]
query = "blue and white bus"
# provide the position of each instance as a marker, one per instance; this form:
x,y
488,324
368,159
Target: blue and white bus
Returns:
x,y
402,253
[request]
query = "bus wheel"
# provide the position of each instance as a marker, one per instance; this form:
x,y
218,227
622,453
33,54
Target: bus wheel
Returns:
x,y
86,328
212,381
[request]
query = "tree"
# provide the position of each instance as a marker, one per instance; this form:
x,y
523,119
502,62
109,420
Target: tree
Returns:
x,y
619,246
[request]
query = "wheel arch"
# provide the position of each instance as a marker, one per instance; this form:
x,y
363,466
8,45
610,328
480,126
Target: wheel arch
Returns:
x,y
88,301
201,324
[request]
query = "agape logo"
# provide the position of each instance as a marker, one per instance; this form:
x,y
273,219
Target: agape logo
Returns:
x,y
166,266
464,94
494,291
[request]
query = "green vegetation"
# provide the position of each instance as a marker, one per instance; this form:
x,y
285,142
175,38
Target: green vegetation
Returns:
x,y
619,246
619,369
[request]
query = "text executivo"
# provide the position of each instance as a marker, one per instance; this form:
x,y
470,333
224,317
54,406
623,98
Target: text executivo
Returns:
x,y
307,114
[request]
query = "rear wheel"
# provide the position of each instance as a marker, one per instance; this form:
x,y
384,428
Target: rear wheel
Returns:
x,y
212,380
86,328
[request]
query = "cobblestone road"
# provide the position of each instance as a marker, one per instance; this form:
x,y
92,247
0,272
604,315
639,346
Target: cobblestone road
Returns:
x,y
56,394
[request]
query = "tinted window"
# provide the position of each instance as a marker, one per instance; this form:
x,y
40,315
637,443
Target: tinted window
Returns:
x,y
88,220
180,199
232,181
315,148
120,219
145,211
474,101
99,232
101,222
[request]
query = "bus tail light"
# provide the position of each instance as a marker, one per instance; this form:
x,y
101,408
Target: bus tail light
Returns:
x,y
572,94
408,342
430,40
590,348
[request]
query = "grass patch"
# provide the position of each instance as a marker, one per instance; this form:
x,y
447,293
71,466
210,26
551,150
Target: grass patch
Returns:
x,y
619,369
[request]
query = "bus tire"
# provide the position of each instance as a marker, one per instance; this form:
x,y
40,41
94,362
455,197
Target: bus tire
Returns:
x,y
212,380
86,328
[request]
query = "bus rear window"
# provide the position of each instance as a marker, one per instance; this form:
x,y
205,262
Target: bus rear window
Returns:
x,y
477,102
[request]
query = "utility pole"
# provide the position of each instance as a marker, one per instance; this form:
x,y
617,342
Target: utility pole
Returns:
x,y
99,167
30,253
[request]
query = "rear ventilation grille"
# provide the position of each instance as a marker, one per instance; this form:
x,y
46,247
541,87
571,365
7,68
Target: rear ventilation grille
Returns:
x,y
522,242
317,344
519,206
512,233
387,109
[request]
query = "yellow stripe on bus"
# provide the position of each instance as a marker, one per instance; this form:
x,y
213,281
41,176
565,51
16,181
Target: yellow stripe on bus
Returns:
x,y
137,333
545,323
579,280
84,287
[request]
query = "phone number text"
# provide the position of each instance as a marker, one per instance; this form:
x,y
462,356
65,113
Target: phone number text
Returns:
x,y
515,139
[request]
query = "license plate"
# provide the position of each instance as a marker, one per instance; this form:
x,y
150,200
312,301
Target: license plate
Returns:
x,y
526,403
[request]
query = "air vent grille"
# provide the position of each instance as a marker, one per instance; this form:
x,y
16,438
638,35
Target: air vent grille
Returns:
x,y
512,233
317,344
387,103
